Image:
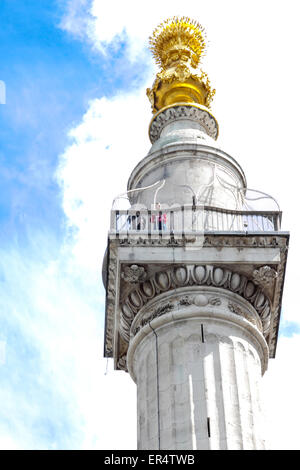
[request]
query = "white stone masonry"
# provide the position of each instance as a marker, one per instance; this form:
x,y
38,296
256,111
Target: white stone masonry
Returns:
x,y
198,376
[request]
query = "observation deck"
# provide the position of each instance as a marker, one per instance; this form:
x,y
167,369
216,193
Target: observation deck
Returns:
x,y
189,220
250,212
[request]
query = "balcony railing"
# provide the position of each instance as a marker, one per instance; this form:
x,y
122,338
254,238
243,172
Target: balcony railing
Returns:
x,y
184,220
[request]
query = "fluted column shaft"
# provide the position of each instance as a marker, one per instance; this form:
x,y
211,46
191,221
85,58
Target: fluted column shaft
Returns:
x,y
197,376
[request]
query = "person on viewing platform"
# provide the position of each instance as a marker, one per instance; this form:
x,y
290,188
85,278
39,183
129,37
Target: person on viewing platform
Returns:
x,y
159,219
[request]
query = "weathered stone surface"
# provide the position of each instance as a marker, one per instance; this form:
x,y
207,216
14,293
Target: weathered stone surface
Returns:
x,y
209,172
202,374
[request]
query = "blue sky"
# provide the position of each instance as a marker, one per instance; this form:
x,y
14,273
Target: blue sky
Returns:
x,y
50,78
40,106
72,128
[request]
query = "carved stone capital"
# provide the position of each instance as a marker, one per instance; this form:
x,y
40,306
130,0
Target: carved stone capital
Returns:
x,y
193,275
126,296
195,298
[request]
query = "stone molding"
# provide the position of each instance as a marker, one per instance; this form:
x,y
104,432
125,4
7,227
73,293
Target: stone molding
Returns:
x,y
175,113
207,299
189,275
213,241
192,314
110,299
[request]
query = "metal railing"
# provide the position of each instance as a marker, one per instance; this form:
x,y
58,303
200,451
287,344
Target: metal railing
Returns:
x,y
188,219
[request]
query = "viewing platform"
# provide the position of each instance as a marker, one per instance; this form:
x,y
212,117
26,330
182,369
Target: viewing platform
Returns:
x,y
191,219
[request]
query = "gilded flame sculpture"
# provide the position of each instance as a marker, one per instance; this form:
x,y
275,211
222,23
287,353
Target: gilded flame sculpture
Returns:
x,y
177,45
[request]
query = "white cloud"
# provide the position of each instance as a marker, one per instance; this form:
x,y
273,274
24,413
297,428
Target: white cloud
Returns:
x,y
54,391
76,18
111,139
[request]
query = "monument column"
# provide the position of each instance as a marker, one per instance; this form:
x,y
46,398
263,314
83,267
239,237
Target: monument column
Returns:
x,y
194,272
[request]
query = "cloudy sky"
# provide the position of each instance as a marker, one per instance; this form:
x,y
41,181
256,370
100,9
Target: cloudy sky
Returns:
x,y
73,124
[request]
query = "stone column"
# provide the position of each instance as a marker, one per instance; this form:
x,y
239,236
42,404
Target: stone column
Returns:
x,y
197,358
